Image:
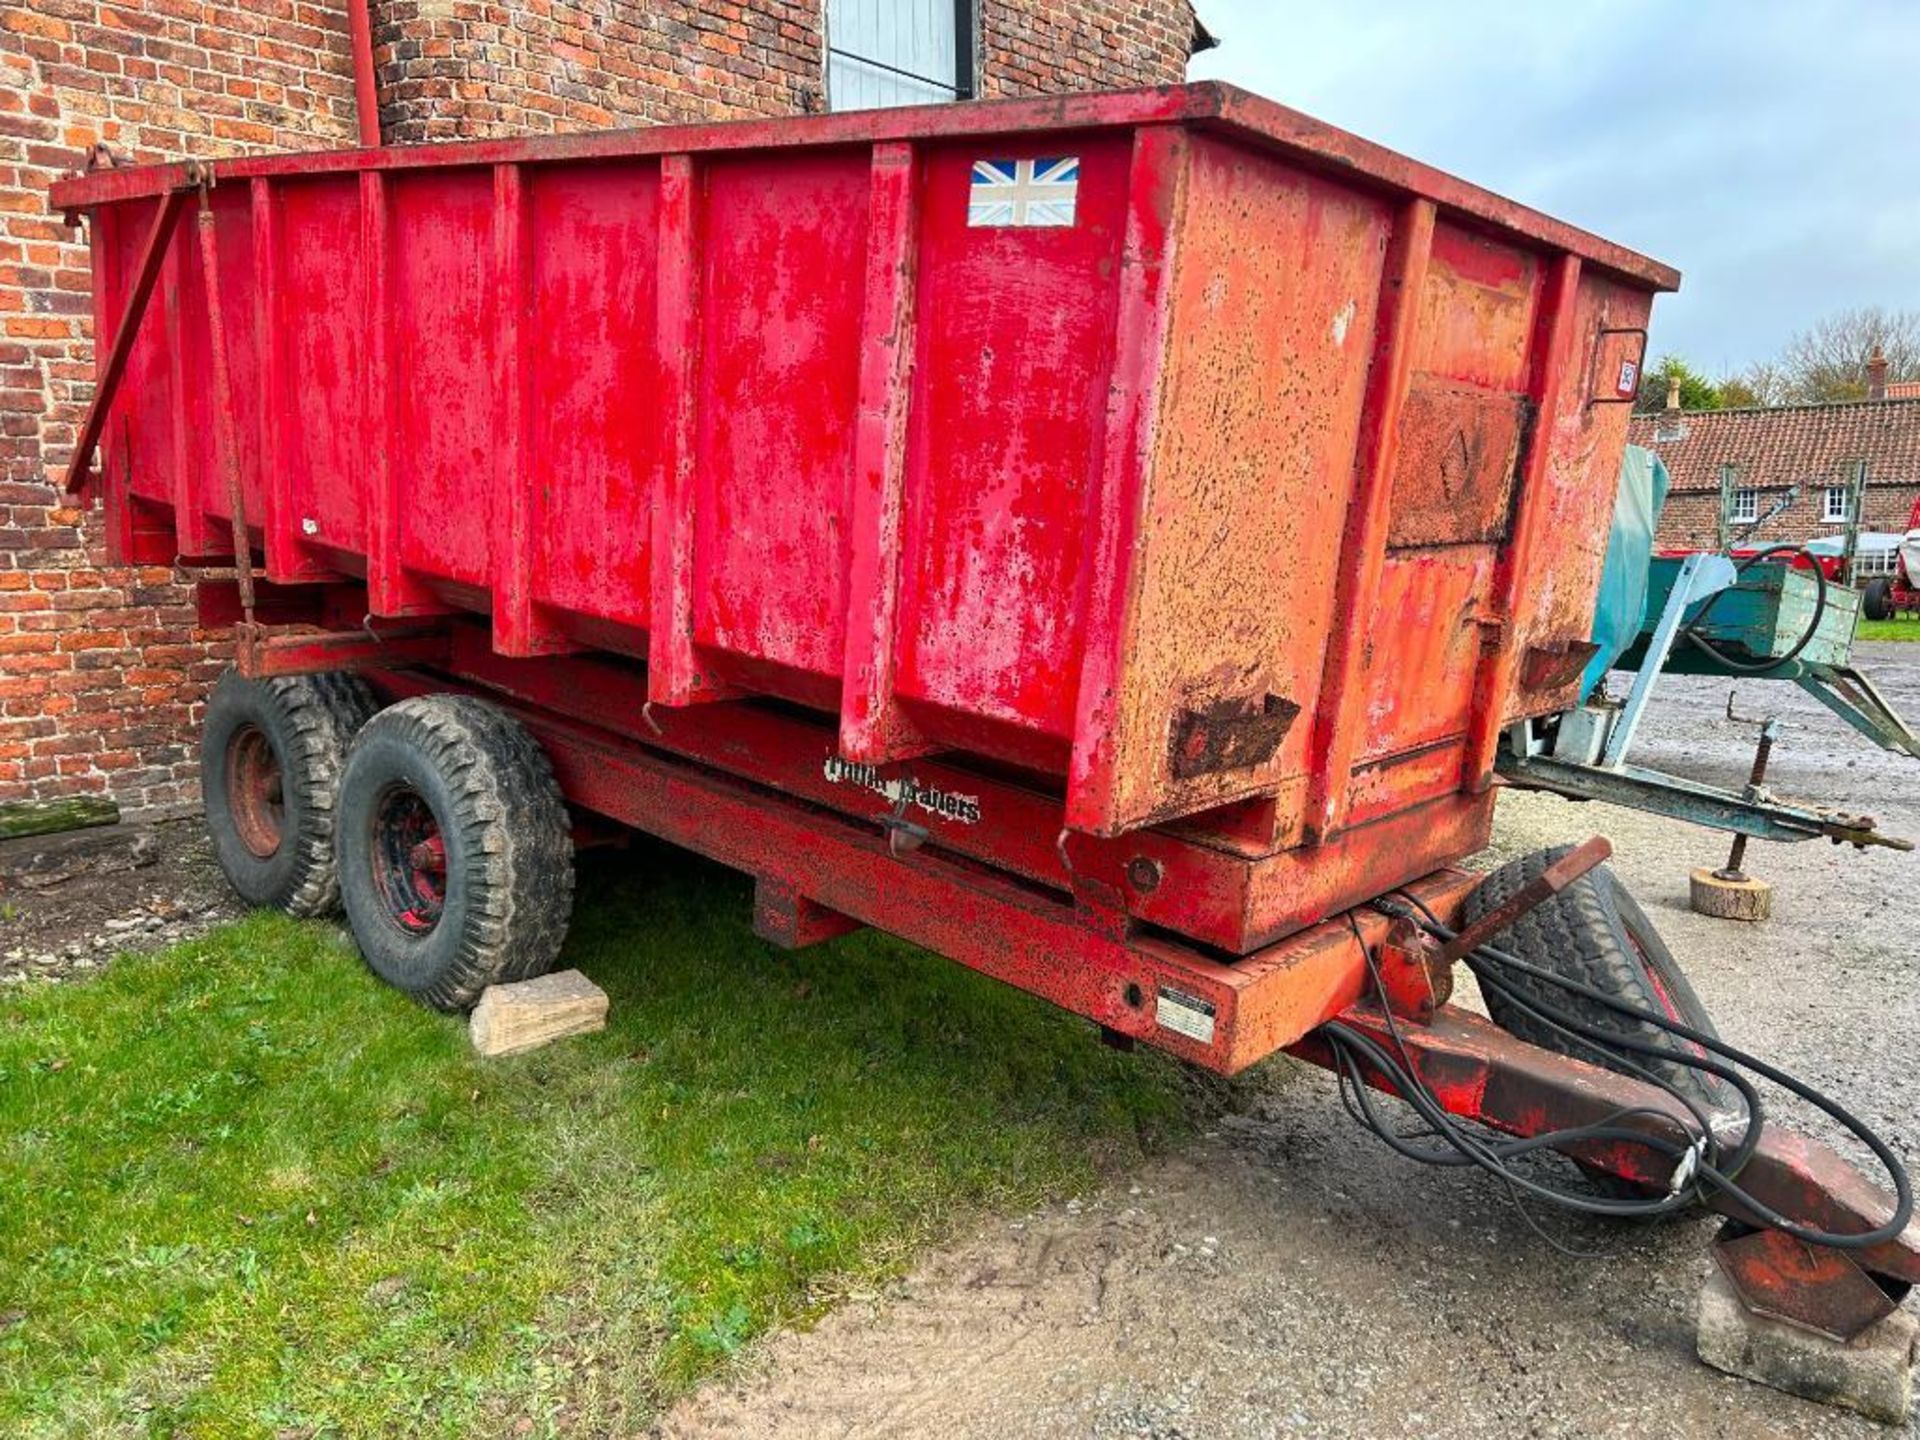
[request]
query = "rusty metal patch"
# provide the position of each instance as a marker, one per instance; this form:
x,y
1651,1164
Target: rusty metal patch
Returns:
x,y
1454,474
1235,732
1817,1289
1548,667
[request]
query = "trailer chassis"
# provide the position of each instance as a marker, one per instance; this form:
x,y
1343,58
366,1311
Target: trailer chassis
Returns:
x,y
819,874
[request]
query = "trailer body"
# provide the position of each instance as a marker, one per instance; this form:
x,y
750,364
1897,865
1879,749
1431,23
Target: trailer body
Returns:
x,y
1196,467
1100,539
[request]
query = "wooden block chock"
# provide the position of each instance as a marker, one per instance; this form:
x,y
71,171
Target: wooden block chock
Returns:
x,y
530,1013
1730,896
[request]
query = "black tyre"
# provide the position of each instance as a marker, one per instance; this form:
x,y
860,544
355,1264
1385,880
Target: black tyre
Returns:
x,y
271,752
1595,932
456,853
1876,601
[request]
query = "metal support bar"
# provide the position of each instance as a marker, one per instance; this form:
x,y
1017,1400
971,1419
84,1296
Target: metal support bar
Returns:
x,y
366,94
1852,696
1763,817
1762,752
226,440
259,653
1479,1072
1511,605
146,274
1537,891
1338,719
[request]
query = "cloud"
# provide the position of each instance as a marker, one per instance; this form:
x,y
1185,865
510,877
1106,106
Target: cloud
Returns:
x,y
1768,149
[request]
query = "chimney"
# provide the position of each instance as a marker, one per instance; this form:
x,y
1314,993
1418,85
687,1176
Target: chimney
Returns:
x,y
1876,376
1673,393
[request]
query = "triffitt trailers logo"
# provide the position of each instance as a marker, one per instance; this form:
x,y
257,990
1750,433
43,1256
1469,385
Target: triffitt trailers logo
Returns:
x,y
904,791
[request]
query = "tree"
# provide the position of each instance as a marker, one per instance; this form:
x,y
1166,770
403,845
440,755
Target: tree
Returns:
x,y
1828,360
1761,383
1697,392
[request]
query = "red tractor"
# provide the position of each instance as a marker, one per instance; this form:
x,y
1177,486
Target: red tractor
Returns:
x,y
1887,596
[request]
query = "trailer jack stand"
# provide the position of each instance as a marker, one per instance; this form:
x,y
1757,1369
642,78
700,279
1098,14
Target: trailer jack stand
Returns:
x,y
1729,893
1833,1314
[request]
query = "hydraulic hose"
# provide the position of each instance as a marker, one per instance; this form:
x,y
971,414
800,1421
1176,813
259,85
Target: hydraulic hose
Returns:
x,y
1761,667
1715,1169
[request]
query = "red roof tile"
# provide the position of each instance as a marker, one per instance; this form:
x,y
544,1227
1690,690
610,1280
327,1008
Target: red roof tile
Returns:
x,y
1786,444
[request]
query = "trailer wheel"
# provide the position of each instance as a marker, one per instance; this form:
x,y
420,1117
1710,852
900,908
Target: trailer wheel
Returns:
x,y
270,758
456,853
1595,932
1876,601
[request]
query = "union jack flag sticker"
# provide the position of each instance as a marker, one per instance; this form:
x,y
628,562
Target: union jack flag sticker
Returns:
x,y
1024,192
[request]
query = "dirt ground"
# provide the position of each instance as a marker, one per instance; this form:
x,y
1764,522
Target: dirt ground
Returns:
x,y
1286,1274
68,903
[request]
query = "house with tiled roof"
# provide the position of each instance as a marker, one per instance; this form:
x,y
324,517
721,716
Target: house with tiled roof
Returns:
x,y
1794,468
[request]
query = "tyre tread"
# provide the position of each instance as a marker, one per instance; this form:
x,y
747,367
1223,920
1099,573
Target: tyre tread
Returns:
x,y
515,827
319,716
1581,934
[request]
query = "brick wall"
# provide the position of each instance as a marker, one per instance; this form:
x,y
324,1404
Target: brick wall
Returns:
x,y
1691,517
101,676
451,69
1033,47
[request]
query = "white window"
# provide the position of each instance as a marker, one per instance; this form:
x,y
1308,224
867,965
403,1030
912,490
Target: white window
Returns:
x,y
1834,508
1746,505
898,52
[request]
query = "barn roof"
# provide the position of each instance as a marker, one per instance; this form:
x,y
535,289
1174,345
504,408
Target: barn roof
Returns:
x,y
1785,444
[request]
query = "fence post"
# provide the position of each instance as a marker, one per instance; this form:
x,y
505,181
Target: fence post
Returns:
x,y
1856,507
1723,530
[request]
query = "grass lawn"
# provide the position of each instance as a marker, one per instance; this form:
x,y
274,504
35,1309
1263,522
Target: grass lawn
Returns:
x,y
1904,628
246,1189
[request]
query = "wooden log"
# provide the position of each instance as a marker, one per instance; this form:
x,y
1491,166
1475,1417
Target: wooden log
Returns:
x,y
52,816
40,862
1725,899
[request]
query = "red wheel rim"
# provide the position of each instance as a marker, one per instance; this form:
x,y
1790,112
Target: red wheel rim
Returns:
x,y
409,860
256,796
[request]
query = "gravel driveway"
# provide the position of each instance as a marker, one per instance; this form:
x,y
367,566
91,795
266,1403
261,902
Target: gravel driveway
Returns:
x,y
1287,1275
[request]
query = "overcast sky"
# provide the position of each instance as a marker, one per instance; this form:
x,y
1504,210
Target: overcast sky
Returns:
x,y
1770,150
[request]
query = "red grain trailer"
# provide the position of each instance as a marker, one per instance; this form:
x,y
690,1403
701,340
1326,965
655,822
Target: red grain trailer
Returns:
x,y
1099,538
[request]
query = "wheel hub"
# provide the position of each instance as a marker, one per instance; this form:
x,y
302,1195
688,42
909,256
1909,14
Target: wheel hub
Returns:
x,y
409,858
256,793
